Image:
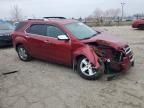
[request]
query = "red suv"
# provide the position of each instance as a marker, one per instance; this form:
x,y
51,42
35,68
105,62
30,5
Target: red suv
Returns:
x,y
72,43
138,24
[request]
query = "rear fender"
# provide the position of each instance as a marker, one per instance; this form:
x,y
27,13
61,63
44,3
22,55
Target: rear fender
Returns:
x,y
20,40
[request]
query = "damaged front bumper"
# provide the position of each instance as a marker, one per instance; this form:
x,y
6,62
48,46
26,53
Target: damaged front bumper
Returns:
x,y
126,64
126,61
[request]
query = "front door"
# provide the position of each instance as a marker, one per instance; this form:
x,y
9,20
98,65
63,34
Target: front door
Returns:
x,y
58,50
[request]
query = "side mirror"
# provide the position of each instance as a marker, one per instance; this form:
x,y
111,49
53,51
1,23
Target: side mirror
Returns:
x,y
62,37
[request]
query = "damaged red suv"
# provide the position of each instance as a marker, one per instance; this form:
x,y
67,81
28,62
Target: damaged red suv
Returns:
x,y
90,52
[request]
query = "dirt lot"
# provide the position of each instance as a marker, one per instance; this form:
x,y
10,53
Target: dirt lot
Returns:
x,y
40,84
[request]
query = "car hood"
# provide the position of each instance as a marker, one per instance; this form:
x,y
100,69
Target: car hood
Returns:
x,y
3,32
107,39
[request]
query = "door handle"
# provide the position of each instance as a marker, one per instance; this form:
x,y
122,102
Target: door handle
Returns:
x,y
48,42
27,36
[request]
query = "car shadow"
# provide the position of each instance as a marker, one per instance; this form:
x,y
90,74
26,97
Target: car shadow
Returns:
x,y
138,29
5,47
52,63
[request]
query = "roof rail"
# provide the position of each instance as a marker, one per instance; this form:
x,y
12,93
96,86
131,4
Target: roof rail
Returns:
x,y
35,19
55,17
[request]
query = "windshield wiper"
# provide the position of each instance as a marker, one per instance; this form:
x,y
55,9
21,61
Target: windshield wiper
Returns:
x,y
90,36
94,35
85,38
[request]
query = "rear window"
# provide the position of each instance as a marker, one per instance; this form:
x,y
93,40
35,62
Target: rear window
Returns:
x,y
39,29
19,25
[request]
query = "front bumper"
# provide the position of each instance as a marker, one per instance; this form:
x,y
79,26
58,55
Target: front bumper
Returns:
x,y
122,66
128,60
125,63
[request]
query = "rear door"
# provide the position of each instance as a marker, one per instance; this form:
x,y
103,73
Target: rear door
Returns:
x,y
36,36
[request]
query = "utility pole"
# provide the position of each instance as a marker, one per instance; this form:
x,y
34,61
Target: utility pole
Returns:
x,y
122,5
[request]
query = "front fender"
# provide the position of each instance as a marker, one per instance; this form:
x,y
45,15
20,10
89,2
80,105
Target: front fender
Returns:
x,y
89,53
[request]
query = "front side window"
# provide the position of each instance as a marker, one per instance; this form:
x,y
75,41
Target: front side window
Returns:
x,y
39,29
53,31
80,30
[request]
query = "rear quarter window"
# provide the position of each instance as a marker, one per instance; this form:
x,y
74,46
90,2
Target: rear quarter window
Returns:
x,y
19,26
39,29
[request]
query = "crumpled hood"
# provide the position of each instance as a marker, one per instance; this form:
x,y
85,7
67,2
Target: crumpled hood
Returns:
x,y
108,40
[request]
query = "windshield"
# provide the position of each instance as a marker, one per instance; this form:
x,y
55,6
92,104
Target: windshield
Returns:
x,y
5,26
80,30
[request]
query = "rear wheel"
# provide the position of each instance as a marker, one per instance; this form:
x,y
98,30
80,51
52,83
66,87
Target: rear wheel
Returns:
x,y
23,53
87,71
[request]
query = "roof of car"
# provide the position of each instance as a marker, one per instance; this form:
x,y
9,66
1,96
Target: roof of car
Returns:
x,y
53,20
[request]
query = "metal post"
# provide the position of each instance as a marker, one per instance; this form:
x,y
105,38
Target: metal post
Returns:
x,y
122,4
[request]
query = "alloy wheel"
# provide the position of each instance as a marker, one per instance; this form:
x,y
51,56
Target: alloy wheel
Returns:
x,y
86,67
22,53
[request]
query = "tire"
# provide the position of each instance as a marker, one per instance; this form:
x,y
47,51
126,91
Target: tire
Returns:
x,y
86,71
23,53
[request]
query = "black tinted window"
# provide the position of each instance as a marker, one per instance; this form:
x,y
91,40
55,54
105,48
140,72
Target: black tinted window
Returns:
x,y
53,31
39,29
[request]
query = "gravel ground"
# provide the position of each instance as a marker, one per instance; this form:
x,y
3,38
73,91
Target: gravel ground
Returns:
x,y
39,84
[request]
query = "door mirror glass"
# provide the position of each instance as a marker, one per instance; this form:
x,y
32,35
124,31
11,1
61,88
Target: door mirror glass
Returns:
x,y
62,37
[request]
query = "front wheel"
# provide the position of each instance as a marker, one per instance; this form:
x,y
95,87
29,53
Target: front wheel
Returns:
x,y
86,70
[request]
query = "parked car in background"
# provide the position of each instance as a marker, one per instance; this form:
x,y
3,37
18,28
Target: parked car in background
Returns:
x,y
5,33
138,24
72,43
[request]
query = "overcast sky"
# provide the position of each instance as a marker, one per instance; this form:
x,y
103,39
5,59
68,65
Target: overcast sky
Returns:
x,y
67,8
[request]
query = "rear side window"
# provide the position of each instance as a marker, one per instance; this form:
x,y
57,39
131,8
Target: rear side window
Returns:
x,y
53,31
39,29
19,25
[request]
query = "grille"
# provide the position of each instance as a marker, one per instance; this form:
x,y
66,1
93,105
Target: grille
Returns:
x,y
129,53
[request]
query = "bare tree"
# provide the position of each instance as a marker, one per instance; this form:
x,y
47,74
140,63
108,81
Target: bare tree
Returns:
x,y
104,17
98,13
107,13
112,13
16,13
